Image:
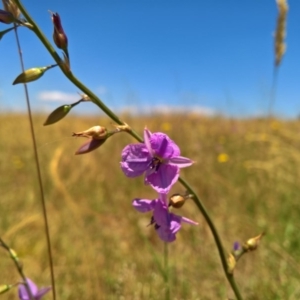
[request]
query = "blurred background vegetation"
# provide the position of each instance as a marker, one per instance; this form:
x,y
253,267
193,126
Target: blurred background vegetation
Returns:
x,y
246,173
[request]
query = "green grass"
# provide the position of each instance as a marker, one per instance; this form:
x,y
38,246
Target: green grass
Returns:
x,y
101,245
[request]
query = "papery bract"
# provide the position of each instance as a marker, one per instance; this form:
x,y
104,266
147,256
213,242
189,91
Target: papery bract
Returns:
x,y
158,157
166,224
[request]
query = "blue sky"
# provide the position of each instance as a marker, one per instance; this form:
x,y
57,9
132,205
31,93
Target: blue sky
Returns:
x,y
211,56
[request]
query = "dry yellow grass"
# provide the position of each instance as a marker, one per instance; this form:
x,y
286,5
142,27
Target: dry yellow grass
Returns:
x,y
102,247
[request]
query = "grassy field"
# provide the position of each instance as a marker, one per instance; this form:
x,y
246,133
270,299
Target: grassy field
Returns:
x,y
246,173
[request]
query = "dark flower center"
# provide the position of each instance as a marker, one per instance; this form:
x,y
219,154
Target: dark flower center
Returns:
x,y
152,221
155,163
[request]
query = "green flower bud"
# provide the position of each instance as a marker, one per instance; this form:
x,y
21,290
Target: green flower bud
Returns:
x,y
58,114
4,288
32,74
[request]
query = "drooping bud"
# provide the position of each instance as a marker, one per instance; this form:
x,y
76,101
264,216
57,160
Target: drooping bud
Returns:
x,y
177,200
253,243
10,6
6,17
97,134
32,74
90,146
60,112
5,288
59,37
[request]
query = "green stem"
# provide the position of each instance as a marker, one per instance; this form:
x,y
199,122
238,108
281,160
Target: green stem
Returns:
x,y
18,265
167,273
38,170
115,118
216,236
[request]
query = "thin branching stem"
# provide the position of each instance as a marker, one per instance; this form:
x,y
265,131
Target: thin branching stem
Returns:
x,y
216,236
116,119
39,176
167,272
273,92
18,265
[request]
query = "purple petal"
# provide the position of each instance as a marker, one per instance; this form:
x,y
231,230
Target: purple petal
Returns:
x,y
90,146
42,292
135,160
143,205
236,246
147,137
161,214
180,161
181,219
163,179
163,198
166,234
174,225
163,146
23,295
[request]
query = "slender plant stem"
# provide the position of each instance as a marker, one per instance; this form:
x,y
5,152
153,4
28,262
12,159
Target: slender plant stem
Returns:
x,y
167,272
116,119
39,176
18,265
216,236
273,92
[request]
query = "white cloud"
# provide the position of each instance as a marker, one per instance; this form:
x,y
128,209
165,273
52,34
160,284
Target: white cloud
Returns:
x,y
101,90
169,109
57,96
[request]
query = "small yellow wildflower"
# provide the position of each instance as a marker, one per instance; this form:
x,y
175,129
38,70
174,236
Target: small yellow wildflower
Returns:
x,y
223,158
166,126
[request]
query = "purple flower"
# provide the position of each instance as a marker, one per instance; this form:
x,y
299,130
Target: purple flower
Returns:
x,y
36,293
166,224
158,157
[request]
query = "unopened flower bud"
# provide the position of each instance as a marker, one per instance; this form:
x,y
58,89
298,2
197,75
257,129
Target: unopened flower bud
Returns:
x,y
4,288
32,74
177,201
6,17
90,146
59,36
95,132
58,114
231,263
253,243
10,6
